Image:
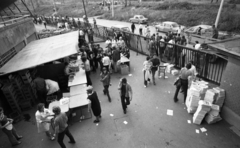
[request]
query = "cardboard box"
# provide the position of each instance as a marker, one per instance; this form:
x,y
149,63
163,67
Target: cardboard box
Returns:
x,y
124,69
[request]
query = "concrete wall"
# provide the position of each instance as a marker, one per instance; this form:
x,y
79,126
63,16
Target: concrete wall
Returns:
x,y
12,35
231,83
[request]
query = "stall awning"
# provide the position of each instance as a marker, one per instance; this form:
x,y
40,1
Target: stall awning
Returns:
x,y
42,51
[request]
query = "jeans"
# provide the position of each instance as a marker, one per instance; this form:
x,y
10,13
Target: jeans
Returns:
x,y
89,82
184,86
12,135
61,137
125,101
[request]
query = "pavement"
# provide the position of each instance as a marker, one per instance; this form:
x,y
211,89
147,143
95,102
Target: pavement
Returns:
x,y
146,124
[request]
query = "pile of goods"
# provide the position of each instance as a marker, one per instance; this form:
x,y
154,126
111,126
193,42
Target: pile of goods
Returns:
x,y
204,102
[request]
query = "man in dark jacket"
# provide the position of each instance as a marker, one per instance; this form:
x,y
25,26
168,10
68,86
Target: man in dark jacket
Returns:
x,y
40,86
155,64
133,27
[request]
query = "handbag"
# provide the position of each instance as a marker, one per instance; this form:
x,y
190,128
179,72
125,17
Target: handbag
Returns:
x,y
177,82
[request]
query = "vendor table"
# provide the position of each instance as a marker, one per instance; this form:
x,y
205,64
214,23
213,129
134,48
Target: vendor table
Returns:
x,y
78,89
79,78
79,100
124,59
64,108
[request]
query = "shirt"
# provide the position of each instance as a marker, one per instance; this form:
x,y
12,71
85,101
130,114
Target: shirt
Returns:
x,y
128,89
61,121
52,86
193,70
147,65
106,61
171,42
197,46
185,73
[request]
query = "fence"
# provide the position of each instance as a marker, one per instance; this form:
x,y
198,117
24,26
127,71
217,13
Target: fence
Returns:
x,y
210,67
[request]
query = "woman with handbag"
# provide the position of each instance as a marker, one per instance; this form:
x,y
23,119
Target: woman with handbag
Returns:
x,y
182,81
8,129
125,91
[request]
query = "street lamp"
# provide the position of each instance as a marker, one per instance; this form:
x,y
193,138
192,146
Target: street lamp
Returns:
x,y
219,13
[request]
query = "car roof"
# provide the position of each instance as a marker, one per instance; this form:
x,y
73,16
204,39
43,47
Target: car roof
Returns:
x,y
138,15
119,26
204,26
168,22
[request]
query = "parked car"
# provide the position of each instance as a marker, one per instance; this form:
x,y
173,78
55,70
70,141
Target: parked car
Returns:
x,y
120,28
194,30
138,19
168,26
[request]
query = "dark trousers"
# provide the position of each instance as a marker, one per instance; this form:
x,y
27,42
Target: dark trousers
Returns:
x,y
12,135
125,101
107,67
61,137
153,73
42,97
184,86
89,82
92,64
140,31
106,91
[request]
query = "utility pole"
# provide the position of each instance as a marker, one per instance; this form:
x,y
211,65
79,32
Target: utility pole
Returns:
x,y
219,13
112,8
54,5
32,6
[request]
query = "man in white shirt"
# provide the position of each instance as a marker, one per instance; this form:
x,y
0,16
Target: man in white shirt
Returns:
x,y
121,43
197,46
170,48
179,31
106,61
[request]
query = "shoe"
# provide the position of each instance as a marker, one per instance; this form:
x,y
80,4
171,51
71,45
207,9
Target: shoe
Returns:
x,y
175,100
52,138
145,86
19,142
100,116
19,137
96,121
154,83
104,92
72,142
109,99
124,111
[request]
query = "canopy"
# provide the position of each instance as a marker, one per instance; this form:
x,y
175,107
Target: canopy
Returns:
x,y
42,51
230,47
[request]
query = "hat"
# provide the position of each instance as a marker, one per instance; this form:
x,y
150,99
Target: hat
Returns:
x,y
89,88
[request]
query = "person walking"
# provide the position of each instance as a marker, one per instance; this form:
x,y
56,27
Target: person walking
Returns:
x,y
162,47
147,71
45,24
126,94
94,103
43,122
155,64
8,128
78,23
61,127
140,29
94,23
133,27
157,43
106,79
182,82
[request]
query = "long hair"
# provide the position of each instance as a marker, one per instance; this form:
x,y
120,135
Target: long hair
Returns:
x,y
40,106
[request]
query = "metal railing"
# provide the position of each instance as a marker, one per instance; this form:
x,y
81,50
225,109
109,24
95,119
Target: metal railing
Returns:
x,y
210,67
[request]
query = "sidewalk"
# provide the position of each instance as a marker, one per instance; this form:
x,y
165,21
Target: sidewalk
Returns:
x,y
148,124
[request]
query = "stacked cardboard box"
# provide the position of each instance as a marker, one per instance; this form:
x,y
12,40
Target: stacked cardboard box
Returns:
x,y
203,108
220,96
195,94
210,95
213,116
